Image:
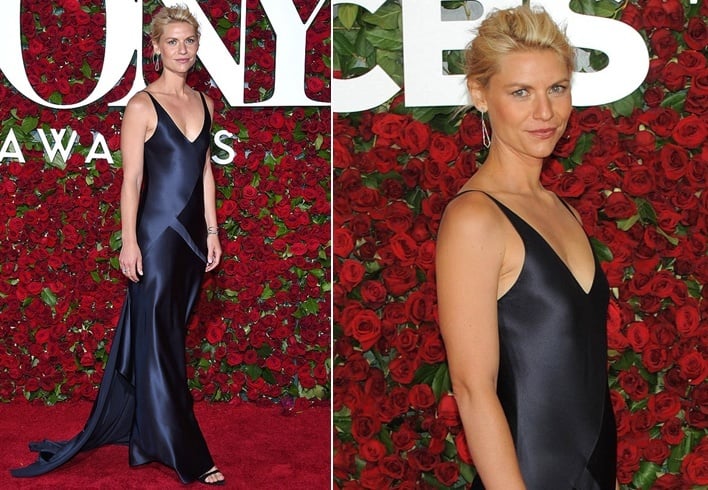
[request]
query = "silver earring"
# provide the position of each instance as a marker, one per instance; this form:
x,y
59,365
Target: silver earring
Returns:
x,y
486,140
156,60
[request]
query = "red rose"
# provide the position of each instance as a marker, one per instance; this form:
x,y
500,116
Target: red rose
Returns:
x,y
404,438
633,384
443,149
660,120
619,206
372,478
688,320
366,328
663,43
343,242
388,125
673,75
694,466
421,396
372,450
351,272
398,279
638,336
653,96
415,137
448,411
373,294
693,367
402,370
393,467
696,34
667,481
657,451
690,132
447,472
674,161
693,61
404,248
422,460
638,181
364,426
664,405
463,451
471,130
419,305
432,349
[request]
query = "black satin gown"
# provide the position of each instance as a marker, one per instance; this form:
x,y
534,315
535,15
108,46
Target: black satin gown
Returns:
x,y
143,400
552,379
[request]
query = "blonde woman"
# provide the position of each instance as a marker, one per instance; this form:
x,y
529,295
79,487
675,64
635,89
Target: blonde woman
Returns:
x,y
522,299
170,239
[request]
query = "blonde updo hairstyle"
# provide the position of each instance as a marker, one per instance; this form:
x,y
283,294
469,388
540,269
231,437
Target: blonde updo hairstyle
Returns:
x,y
169,15
513,30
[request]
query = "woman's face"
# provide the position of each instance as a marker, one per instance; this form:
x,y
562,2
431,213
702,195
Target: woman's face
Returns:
x,y
528,101
178,46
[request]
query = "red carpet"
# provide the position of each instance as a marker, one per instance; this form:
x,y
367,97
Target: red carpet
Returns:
x,y
256,448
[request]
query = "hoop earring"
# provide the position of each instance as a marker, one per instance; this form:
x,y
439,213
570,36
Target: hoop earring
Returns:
x,y
156,60
486,140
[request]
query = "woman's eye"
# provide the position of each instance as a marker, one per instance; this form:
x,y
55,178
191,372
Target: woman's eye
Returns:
x,y
191,40
558,89
522,92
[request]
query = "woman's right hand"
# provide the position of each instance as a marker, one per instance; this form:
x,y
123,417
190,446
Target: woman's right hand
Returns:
x,y
131,261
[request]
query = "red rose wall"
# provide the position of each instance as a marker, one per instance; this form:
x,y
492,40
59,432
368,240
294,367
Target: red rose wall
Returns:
x,y
261,327
636,172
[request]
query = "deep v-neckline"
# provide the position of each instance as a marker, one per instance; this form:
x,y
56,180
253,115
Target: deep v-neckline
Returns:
x,y
174,124
554,253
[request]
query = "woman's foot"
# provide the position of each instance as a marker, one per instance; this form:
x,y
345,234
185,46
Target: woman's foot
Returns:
x,y
212,477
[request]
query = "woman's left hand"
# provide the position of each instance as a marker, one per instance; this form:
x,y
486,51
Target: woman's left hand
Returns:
x,y
213,252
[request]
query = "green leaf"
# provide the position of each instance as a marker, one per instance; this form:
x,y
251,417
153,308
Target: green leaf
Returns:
x,y
441,381
48,297
582,146
384,39
347,14
115,241
29,123
603,252
645,210
626,105
626,224
388,16
646,476
467,472
455,60
392,63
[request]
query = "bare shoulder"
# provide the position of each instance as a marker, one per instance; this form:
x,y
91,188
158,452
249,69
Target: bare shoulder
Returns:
x,y
140,104
472,215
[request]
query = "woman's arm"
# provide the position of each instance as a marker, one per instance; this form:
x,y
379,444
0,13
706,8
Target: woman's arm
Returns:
x,y
213,245
132,140
469,258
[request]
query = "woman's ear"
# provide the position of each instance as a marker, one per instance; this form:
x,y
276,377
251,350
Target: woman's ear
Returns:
x,y
477,95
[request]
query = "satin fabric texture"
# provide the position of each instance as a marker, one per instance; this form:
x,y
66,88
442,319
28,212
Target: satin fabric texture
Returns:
x,y
144,400
552,379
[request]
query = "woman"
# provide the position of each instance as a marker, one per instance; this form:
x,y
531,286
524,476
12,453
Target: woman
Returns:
x,y
170,238
522,300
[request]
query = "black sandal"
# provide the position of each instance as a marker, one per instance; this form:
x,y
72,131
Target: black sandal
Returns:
x,y
202,479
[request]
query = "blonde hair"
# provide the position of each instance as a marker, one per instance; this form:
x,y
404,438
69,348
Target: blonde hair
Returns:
x,y
509,31
169,15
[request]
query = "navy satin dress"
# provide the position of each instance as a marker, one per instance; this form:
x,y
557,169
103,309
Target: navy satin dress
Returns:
x,y
552,380
143,400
